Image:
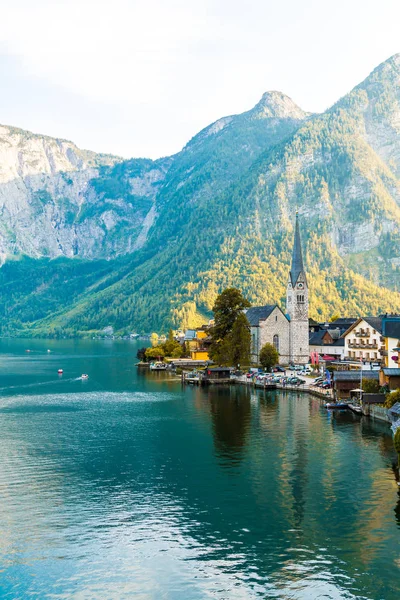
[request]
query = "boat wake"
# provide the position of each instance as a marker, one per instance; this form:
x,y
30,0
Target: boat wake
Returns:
x,y
39,384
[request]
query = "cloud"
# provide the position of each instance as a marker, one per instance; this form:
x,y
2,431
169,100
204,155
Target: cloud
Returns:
x,y
156,72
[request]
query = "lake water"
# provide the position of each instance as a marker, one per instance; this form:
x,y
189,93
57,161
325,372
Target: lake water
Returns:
x,y
129,486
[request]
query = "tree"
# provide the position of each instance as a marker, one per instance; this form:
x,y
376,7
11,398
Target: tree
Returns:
x,y
228,306
141,354
371,386
177,352
239,341
154,339
268,356
392,398
156,352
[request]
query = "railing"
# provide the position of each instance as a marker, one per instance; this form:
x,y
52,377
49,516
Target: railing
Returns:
x,y
362,345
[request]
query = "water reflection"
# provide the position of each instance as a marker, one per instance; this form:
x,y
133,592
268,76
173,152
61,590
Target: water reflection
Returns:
x,y
147,488
230,410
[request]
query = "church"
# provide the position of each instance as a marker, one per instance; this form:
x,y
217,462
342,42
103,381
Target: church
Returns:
x,y
287,331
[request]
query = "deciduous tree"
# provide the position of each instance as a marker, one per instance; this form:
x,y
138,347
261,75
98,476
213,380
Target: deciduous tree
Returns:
x,y
268,356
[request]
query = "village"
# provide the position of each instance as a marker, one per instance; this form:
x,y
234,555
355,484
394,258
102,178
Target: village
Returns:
x,y
350,362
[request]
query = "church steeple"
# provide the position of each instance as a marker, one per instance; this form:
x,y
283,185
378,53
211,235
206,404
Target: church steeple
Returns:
x,y
297,258
297,303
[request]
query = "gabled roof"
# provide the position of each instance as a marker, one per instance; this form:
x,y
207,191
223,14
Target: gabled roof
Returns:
x,y
255,314
317,337
334,333
343,322
374,322
297,256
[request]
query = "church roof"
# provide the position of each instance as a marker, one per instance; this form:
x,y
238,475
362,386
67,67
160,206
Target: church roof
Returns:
x,y
297,257
255,314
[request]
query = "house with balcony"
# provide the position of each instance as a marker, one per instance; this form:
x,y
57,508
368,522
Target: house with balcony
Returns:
x,y
374,339
363,340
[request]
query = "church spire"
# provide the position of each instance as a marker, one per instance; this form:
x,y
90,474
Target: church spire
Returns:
x,y
297,257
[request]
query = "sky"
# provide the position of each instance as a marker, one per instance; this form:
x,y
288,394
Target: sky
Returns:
x,y
140,78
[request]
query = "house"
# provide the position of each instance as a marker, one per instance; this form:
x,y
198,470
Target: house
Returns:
x,y
217,375
199,355
327,342
363,340
288,332
345,381
198,342
390,377
391,337
374,339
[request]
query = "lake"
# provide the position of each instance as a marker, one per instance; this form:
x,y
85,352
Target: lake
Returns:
x,y
127,485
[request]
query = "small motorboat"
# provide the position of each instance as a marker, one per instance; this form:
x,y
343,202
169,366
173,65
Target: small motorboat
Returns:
x,y
84,376
60,371
158,366
336,405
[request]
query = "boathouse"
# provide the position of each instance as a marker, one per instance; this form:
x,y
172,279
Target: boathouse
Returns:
x,y
345,381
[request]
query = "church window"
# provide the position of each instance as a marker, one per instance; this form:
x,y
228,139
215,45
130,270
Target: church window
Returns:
x,y
254,343
300,298
276,318
276,342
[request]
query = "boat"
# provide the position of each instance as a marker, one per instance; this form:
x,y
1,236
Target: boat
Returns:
x,y
84,376
193,378
336,405
356,408
158,366
60,371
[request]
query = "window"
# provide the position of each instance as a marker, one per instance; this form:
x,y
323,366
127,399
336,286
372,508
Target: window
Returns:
x,y
300,298
276,318
253,343
276,342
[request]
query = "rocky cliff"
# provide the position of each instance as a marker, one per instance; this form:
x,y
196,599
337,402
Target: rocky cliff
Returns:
x,y
220,212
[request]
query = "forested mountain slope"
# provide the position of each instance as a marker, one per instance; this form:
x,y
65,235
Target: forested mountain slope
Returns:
x,y
221,213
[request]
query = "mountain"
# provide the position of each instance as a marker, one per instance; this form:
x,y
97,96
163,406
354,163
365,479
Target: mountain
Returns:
x,y
153,242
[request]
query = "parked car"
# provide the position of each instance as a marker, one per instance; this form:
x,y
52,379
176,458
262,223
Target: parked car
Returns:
x,y
279,369
296,381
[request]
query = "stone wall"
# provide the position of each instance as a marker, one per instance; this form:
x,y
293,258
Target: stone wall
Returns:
x,y
276,324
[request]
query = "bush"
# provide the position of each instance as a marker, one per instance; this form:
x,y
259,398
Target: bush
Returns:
x,y
371,386
392,398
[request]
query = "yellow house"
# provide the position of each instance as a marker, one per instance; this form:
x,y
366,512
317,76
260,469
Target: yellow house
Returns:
x,y
199,355
201,335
